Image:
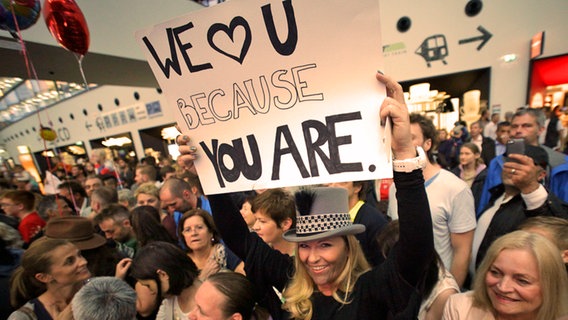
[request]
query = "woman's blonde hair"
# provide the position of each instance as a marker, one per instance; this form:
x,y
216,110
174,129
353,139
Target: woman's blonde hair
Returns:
x,y
552,273
101,153
148,188
297,294
556,227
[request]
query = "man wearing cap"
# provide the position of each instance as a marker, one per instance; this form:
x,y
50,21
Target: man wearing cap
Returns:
x,y
528,124
520,196
449,150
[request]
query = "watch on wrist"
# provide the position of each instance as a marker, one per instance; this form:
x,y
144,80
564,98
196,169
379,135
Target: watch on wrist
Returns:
x,y
409,165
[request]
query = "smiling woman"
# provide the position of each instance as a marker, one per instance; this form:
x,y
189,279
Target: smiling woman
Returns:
x,y
329,277
52,271
521,277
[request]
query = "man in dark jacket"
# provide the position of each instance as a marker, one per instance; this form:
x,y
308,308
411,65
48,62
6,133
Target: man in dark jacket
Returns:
x,y
364,213
486,145
520,196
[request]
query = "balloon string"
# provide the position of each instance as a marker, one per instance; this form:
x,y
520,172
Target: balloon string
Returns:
x,y
29,64
30,69
79,58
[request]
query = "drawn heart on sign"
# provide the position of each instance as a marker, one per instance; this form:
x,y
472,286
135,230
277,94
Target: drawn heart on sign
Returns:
x,y
230,32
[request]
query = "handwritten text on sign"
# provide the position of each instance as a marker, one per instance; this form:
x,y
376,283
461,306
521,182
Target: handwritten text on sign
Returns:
x,y
275,93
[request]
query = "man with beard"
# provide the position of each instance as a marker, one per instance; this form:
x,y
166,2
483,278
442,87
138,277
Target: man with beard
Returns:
x,y
115,223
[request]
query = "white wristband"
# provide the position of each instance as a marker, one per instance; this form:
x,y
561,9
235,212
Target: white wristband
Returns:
x,y
409,165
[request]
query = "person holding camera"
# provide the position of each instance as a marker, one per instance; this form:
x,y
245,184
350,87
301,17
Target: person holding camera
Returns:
x,y
520,195
528,124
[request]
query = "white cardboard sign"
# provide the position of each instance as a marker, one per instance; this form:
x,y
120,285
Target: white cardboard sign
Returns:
x,y
275,93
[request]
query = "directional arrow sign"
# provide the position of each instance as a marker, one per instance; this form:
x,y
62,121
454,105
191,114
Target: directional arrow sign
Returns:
x,y
484,37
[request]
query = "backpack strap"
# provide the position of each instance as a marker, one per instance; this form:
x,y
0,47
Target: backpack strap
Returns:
x,y
29,312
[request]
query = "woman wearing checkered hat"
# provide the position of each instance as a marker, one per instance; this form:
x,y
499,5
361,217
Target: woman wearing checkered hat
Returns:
x,y
328,277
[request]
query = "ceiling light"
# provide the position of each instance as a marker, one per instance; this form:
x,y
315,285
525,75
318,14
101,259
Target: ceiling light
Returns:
x,y
48,154
116,142
23,149
170,133
509,57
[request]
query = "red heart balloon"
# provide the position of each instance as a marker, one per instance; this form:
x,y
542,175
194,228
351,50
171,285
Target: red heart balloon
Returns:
x,y
67,25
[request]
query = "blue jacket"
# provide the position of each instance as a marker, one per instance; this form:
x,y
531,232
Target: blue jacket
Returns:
x,y
557,181
492,179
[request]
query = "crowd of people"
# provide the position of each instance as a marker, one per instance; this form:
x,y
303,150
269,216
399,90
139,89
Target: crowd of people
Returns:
x,y
470,232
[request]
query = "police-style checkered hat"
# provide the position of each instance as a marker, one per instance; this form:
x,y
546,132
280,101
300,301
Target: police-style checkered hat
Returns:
x,y
322,213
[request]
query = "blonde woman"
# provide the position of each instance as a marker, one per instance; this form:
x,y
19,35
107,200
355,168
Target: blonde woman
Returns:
x,y
101,163
147,194
328,277
522,277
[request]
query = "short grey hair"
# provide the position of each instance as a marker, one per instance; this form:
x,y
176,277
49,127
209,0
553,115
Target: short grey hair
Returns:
x,y
536,113
45,204
104,298
126,195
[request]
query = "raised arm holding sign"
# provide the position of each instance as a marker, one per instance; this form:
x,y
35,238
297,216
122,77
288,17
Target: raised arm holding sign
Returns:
x,y
324,254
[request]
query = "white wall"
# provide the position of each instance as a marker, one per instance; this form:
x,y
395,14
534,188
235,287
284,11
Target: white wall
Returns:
x,y
512,23
72,130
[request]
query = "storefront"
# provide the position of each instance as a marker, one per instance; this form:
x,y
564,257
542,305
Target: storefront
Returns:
x,y
548,82
449,98
120,146
160,141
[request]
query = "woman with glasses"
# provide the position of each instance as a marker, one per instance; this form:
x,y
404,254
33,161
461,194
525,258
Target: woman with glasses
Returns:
x,y
202,240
